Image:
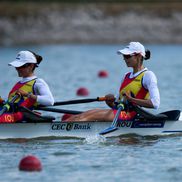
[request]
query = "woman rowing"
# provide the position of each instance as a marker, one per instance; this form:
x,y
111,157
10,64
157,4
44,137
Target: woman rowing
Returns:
x,y
138,87
31,90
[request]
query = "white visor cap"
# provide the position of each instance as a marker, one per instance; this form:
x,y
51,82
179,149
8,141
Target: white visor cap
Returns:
x,y
22,58
133,47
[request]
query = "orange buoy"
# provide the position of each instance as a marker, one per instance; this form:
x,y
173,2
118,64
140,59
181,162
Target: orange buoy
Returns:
x,y
103,74
66,116
82,91
30,163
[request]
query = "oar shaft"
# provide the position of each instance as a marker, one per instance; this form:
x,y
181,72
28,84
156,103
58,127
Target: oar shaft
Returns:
x,y
6,106
113,126
79,101
58,110
115,121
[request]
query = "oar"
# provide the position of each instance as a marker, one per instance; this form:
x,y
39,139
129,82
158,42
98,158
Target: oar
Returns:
x,y
113,126
58,110
7,105
79,101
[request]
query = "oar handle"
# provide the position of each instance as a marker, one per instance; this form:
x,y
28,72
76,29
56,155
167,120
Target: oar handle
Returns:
x,y
101,98
14,98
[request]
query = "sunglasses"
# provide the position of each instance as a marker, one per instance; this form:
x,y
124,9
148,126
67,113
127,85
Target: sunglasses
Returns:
x,y
25,65
129,56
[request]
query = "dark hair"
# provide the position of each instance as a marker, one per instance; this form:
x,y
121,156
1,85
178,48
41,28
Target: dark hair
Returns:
x,y
38,58
147,54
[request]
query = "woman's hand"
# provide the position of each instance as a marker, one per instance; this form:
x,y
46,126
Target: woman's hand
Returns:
x,y
110,100
26,94
22,93
128,97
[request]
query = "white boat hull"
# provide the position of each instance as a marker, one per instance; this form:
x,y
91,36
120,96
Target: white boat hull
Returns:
x,y
88,129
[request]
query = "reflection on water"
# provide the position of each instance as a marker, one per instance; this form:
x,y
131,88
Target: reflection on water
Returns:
x,y
137,140
129,141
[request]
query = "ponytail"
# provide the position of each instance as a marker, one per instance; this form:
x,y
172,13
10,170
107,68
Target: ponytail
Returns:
x,y
38,57
147,54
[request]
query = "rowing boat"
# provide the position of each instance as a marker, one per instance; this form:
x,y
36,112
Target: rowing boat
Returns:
x,y
34,126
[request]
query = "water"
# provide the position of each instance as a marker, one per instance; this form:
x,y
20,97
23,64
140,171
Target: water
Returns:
x,y
129,158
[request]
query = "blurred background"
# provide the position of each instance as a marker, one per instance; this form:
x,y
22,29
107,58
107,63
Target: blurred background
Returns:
x,y
86,21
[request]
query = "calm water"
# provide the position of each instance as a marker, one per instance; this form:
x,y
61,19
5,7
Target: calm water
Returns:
x,y
129,158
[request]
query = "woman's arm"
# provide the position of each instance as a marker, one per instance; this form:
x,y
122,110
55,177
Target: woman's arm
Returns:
x,y
43,93
141,102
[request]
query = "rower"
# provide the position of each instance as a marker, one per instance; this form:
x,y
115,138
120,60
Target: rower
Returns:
x,y
138,87
31,89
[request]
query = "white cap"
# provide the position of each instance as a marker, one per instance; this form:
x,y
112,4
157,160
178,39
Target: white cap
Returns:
x,y
133,47
22,58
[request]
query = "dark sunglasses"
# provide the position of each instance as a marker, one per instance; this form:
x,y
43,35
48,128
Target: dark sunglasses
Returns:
x,y
128,56
25,65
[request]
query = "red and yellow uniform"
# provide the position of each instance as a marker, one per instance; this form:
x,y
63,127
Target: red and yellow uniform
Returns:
x,y
27,87
134,86
22,101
